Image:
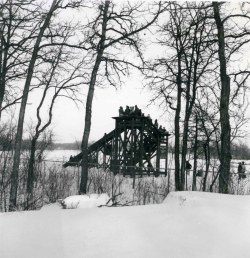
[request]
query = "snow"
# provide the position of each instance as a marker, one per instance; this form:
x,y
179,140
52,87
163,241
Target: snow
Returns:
x,y
86,201
186,224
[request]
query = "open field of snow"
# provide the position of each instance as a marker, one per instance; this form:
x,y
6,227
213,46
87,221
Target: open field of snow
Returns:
x,y
59,156
55,182
187,224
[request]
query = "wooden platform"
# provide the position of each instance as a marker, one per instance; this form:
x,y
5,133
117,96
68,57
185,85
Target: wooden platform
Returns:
x,y
134,147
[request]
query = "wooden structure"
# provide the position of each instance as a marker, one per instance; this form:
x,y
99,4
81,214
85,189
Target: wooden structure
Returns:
x,y
135,147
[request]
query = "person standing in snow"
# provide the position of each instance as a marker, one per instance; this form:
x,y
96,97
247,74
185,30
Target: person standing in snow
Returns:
x,y
243,170
188,167
239,170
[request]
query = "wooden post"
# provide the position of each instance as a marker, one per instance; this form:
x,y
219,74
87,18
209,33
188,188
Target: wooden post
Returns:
x,y
158,153
132,150
141,147
104,150
116,150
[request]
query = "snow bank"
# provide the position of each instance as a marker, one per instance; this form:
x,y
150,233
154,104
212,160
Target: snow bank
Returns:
x,y
186,225
51,207
86,201
201,199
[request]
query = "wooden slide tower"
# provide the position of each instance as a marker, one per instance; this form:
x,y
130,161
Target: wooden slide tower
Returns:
x,y
136,146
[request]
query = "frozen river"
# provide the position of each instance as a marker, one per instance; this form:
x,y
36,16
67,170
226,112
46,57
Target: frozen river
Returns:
x,y
60,155
64,155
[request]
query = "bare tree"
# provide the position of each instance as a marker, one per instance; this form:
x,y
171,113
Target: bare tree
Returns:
x,y
16,37
16,162
224,105
179,75
190,65
44,41
115,30
198,60
66,86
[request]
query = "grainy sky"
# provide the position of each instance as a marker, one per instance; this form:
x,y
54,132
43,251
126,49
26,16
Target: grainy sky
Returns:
x,y
68,121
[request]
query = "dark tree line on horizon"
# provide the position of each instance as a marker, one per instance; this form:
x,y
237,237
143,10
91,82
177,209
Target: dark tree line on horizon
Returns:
x,y
239,150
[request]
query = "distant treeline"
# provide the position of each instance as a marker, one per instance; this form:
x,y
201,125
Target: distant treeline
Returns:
x,y
238,151
8,144
66,146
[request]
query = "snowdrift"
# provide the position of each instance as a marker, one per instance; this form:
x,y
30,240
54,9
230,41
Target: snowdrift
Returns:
x,y
86,201
187,224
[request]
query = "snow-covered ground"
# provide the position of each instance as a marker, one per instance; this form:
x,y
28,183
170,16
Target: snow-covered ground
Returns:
x,y
187,224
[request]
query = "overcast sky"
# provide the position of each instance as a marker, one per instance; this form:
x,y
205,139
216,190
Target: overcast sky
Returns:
x,y
68,120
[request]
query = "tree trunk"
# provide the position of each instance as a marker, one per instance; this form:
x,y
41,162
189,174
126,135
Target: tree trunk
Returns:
x,y
177,128
19,134
185,138
195,154
224,176
31,171
207,158
88,112
3,65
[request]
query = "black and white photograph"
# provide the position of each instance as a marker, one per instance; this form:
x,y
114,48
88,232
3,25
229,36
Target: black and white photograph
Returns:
x,y
124,129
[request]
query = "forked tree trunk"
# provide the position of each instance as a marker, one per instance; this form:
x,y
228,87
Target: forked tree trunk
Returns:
x,y
19,134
